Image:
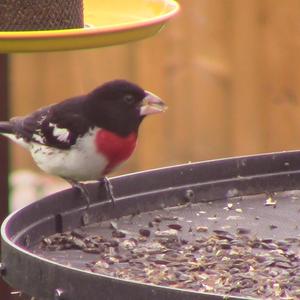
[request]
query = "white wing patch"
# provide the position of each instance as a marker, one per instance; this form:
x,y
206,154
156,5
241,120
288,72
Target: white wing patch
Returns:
x,y
62,134
37,136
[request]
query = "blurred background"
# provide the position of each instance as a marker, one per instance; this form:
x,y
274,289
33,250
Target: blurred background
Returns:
x,y
229,71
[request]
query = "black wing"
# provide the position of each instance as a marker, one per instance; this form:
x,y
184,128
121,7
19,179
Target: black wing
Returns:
x,y
57,125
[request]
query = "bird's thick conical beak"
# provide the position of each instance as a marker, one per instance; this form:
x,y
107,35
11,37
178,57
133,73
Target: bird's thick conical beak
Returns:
x,y
152,104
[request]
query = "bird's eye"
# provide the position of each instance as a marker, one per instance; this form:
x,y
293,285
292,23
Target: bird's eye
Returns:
x,y
129,99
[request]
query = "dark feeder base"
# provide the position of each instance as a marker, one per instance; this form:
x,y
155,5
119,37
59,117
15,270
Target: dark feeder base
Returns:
x,y
211,186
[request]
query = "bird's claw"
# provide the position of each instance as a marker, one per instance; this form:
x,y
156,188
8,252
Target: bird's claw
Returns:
x,y
82,189
108,188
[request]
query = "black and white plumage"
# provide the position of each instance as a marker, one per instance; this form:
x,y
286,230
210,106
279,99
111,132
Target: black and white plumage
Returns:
x,y
85,137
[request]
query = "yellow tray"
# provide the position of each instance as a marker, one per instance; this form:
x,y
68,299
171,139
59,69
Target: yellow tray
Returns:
x,y
108,22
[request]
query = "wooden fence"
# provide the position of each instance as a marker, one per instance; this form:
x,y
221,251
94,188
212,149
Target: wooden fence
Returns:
x,y
228,69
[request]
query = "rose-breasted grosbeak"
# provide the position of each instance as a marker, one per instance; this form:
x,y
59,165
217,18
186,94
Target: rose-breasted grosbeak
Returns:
x,y
84,138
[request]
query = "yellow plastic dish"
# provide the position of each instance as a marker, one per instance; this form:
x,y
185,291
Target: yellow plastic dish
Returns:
x,y
108,22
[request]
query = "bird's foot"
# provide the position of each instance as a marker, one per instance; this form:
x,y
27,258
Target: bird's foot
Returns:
x,y
84,193
85,196
108,188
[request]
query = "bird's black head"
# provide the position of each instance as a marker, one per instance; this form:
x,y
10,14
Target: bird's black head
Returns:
x,y
120,106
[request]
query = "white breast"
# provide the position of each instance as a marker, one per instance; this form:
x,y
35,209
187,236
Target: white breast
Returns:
x,y
81,162
17,140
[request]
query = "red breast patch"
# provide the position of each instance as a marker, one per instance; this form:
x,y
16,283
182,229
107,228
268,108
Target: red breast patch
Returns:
x,y
114,147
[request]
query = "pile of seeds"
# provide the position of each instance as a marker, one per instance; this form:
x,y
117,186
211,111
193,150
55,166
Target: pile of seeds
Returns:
x,y
218,261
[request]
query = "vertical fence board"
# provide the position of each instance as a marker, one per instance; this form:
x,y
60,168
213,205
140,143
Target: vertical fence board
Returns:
x,y
208,78
282,74
248,126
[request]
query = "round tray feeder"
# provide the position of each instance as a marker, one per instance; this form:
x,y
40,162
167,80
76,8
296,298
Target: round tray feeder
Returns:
x,y
251,199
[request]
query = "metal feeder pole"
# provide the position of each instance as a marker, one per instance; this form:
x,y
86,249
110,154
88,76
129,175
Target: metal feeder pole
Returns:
x,y
4,164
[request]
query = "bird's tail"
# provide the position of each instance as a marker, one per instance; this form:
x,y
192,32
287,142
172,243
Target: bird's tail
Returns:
x,y
6,127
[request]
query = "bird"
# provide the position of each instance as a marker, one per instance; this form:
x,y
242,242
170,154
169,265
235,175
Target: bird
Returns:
x,y
86,137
